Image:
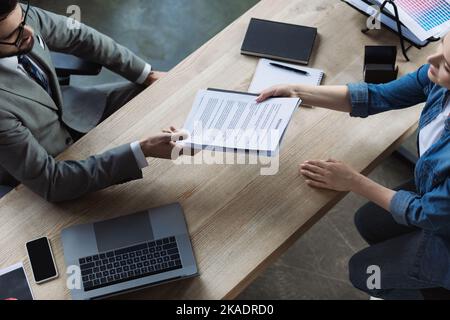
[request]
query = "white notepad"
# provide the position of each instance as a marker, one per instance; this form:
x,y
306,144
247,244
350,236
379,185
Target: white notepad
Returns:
x,y
267,76
233,121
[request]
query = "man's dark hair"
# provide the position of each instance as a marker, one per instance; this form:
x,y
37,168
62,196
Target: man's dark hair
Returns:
x,y
6,6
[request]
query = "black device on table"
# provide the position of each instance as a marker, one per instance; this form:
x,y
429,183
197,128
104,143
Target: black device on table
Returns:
x,y
42,260
380,64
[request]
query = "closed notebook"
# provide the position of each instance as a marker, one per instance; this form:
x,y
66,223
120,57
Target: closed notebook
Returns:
x,y
267,76
281,41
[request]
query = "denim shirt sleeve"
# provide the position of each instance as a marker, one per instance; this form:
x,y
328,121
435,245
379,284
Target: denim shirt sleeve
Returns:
x,y
409,90
429,212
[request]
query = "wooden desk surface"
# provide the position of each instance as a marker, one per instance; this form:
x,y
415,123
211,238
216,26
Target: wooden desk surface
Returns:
x,y
239,220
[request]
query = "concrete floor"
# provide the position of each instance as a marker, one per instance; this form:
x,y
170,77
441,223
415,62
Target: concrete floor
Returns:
x,y
164,32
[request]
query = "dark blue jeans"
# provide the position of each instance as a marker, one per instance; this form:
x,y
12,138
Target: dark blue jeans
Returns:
x,y
393,248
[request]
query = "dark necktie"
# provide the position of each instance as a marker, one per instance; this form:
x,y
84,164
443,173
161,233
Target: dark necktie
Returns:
x,y
34,72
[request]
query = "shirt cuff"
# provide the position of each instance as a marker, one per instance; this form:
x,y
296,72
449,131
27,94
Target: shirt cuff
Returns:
x,y
139,155
359,95
144,75
399,206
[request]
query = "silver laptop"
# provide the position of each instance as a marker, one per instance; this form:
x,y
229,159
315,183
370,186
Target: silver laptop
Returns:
x,y
130,253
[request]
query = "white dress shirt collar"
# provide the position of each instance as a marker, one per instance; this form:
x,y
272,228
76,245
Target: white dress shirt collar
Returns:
x,y
11,63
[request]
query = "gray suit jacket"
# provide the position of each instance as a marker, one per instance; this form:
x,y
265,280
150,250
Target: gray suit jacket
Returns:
x,y
33,126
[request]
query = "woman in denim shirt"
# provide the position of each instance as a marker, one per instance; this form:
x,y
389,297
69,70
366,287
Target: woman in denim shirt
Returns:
x,y
408,229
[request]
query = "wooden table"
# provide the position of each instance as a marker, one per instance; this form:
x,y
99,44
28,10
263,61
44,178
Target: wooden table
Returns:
x,y
240,221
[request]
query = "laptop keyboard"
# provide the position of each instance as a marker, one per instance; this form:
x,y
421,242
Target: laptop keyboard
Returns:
x,y
139,261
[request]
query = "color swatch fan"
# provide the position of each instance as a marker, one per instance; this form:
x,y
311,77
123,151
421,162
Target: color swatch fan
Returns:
x,y
425,18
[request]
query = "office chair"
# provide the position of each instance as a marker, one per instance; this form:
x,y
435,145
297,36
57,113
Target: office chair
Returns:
x,y
66,66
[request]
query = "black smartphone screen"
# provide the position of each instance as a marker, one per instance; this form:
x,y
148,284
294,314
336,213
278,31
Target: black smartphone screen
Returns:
x,y
41,259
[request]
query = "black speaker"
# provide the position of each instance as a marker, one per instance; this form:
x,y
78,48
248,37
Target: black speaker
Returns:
x,y
380,64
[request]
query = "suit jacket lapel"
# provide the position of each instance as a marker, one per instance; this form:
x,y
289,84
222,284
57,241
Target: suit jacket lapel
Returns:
x,y
25,87
28,88
42,55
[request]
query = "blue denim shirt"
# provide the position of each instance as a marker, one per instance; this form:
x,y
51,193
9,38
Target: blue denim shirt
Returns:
x,y
429,208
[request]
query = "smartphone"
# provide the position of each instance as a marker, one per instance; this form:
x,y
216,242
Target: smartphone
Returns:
x,y
42,260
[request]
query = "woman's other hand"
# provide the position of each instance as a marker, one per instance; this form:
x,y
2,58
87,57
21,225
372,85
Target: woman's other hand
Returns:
x,y
331,174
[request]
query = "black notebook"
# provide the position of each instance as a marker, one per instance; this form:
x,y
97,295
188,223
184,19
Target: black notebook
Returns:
x,y
280,41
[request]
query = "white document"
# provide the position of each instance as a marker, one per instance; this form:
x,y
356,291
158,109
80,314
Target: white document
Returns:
x,y
233,121
267,76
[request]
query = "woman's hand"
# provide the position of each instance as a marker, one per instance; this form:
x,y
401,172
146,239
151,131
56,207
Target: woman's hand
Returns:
x,y
331,174
287,91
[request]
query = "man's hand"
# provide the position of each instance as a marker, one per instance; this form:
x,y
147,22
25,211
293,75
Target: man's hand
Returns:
x,y
330,174
163,146
153,77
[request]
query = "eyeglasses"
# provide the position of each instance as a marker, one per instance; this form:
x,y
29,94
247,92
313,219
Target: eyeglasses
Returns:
x,y
20,28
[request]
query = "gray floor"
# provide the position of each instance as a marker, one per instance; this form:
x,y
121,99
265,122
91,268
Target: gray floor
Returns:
x,y
166,31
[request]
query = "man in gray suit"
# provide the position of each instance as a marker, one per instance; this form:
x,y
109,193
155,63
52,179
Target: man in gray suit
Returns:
x,y
39,119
